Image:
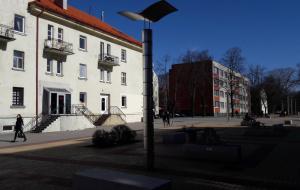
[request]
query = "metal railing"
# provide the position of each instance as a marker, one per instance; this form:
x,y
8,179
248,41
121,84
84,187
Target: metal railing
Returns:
x,y
59,45
33,123
6,31
83,110
108,59
114,110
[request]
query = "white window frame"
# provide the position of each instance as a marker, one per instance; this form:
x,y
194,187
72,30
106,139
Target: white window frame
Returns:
x,y
50,64
18,62
123,78
60,34
125,101
85,97
82,73
23,23
123,55
102,75
60,66
50,34
85,42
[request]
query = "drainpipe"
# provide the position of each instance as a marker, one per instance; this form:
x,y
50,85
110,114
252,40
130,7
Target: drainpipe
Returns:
x,y
37,66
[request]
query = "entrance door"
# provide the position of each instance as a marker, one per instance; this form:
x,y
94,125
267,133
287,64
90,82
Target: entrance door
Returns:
x,y
53,105
61,104
104,103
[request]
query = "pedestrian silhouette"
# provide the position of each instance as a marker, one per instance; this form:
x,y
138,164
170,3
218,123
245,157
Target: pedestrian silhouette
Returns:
x,y
19,129
168,118
164,117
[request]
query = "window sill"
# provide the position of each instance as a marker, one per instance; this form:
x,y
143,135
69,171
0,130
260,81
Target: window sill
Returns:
x,y
83,50
124,84
108,82
124,61
17,107
50,74
82,78
124,107
59,75
17,69
20,33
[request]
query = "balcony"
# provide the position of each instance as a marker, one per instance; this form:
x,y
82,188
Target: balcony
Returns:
x,y
6,33
107,60
58,47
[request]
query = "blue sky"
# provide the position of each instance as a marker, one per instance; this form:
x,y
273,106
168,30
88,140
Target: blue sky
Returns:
x,y
267,31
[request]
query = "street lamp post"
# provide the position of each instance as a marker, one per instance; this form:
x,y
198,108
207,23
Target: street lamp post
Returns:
x,y
153,13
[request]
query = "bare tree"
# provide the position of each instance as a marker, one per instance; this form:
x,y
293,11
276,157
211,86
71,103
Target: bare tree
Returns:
x,y
256,74
234,61
161,68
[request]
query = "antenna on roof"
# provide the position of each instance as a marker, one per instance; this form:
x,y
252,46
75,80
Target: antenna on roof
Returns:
x,y
102,16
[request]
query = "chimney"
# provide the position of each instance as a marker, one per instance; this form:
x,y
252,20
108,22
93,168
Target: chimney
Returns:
x,y
62,4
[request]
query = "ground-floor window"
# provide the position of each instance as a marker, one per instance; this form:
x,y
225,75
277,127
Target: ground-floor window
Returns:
x,y
124,102
18,96
82,97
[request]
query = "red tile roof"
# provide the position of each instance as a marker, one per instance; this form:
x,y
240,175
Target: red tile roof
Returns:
x,y
84,18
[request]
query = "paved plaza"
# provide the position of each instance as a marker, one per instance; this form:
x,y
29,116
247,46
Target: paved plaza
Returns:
x,y
49,160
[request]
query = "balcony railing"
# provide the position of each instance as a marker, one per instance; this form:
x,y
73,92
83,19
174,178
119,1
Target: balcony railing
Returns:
x,y
108,60
6,33
58,46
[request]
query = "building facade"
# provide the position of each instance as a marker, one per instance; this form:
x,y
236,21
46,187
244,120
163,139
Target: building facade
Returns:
x,y
54,57
202,88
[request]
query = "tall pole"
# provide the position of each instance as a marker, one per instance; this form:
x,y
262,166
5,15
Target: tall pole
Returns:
x,y
148,98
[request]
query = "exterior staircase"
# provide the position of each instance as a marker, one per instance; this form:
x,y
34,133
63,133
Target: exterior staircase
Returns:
x,y
101,119
45,122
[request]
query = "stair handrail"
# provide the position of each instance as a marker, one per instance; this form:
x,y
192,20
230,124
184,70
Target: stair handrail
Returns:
x,y
82,109
115,110
32,124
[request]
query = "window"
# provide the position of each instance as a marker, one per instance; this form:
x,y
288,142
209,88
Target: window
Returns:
x,y
124,102
82,71
217,93
217,104
102,75
50,32
123,55
59,68
101,50
49,66
222,94
18,96
222,105
19,23
108,79
108,50
82,97
123,78
82,42
18,60
60,35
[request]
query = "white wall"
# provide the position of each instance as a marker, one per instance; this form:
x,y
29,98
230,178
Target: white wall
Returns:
x,y
92,86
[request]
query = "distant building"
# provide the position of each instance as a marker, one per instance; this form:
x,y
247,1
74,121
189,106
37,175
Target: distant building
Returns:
x,y
201,88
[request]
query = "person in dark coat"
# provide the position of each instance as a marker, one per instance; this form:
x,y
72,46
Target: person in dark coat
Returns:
x,y
164,117
19,128
168,118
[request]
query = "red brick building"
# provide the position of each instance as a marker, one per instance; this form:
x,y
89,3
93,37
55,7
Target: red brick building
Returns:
x,y
201,88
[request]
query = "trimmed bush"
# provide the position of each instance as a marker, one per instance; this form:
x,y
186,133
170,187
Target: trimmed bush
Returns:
x,y
102,138
123,134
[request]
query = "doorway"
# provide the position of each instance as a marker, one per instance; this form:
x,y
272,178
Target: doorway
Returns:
x,y
104,103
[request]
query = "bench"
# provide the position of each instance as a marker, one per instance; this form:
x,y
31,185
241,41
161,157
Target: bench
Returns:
x,y
109,180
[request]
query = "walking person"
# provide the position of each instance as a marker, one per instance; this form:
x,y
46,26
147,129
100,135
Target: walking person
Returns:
x,y
19,128
168,118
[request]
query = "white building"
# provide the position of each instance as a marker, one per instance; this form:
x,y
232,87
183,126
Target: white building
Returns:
x,y
222,102
54,57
